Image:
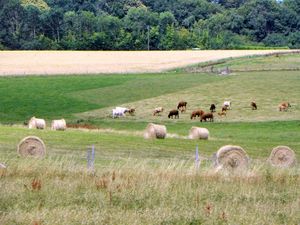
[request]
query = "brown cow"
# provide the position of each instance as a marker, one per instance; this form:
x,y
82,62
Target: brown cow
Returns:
x,y
131,111
207,117
222,113
196,113
253,105
182,106
284,106
224,108
175,113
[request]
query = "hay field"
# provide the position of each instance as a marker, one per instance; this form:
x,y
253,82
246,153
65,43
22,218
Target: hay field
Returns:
x,y
138,181
96,62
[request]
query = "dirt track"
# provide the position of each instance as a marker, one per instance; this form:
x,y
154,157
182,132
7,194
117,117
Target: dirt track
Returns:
x,y
94,62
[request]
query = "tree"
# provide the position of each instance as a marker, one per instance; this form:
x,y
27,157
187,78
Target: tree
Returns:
x,y
32,20
136,21
167,39
275,39
294,40
166,19
230,3
52,21
261,17
11,17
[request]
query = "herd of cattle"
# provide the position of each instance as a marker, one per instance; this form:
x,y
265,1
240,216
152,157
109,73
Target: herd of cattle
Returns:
x,y
38,123
204,116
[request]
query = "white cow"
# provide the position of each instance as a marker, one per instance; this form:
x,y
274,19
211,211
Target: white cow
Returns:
x,y
119,111
36,123
58,124
227,104
158,110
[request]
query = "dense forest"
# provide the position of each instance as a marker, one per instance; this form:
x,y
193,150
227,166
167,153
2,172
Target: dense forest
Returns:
x,y
153,24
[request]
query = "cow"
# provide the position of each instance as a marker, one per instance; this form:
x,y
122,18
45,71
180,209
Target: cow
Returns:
x,y
207,117
284,106
212,108
182,106
157,111
227,104
173,113
253,105
196,113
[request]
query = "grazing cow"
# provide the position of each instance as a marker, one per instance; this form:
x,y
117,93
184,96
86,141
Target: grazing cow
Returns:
x,y
207,117
212,108
224,108
284,106
36,123
227,104
182,106
119,111
157,111
222,113
196,113
253,105
131,111
175,113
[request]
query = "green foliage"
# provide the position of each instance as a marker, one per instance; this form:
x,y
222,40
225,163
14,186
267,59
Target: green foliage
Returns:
x,y
294,40
40,4
214,24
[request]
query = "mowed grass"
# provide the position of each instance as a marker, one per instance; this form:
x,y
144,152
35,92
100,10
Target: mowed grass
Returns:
x,y
137,181
268,89
62,96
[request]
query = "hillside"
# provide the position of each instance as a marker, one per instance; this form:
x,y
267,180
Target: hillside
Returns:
x,y
143,24
137,181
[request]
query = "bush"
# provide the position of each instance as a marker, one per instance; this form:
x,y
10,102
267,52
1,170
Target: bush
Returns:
x,y
294,40
275,39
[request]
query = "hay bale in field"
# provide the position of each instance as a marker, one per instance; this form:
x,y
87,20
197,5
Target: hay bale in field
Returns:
x,y
232,157
2,170
282,156
32,146
198,133
58,124
36,123
155,131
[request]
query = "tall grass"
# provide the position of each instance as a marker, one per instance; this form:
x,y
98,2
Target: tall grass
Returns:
x,y
136,192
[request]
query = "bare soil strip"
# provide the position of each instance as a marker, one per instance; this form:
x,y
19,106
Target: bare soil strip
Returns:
x,y
100,62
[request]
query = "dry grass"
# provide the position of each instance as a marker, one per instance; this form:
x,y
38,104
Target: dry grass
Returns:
x,y
91,62
61,192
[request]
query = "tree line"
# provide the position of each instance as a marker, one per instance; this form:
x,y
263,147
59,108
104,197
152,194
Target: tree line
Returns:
x,y
139,24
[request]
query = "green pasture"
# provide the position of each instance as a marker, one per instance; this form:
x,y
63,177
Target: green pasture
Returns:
x,y
89,100
273,62
138,181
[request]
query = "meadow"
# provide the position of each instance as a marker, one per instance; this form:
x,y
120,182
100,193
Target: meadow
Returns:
x,y
138,181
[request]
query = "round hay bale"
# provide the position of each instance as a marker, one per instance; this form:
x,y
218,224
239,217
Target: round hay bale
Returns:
x,y
232,157
282,156
2,170
155,131
32,146
198,133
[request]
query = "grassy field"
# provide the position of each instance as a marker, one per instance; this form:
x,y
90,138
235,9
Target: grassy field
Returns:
x,y
137,181
273,62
